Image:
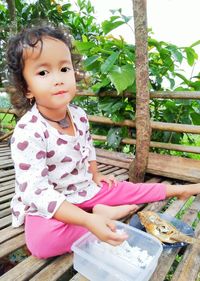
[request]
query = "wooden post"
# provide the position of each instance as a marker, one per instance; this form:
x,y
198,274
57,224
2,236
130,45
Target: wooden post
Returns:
x,y
12,12
143,127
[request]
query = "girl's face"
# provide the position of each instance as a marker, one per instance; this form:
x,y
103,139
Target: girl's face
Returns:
x,y
49,75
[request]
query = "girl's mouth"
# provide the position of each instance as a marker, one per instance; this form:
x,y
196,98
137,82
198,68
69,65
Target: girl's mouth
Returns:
x,y
60,93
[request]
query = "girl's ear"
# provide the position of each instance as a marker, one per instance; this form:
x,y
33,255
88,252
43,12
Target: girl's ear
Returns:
x,y
29,95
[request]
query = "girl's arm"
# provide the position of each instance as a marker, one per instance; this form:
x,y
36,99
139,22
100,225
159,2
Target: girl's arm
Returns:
x,y
100,226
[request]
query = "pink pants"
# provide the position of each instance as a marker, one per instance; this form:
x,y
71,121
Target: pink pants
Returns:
x,y
49,237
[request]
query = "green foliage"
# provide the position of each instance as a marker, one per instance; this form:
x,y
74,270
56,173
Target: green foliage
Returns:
x,y
110,64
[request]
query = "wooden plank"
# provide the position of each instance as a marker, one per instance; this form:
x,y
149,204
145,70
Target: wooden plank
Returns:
x,y
123,177
7,191
122,157
174,167
25,269
10,177
4,206
4,148
7,183
3,144
12,245
79,277
120,171
6,165
54,270
8,161
100,165
4,213
163,165
5,151
10,232
113,162
5,221
6,187
110,170
6,198
188,268
105,168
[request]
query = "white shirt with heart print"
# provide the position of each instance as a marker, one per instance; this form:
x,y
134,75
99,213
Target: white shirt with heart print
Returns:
x,y
50,166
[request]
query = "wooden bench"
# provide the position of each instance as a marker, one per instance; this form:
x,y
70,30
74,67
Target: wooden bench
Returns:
x,y
60,268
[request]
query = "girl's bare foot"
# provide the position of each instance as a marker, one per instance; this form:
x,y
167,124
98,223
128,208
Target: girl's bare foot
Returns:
x,y
115,212
183,192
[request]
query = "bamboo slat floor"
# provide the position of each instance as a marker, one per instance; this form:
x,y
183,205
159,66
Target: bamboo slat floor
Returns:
x,y
60,268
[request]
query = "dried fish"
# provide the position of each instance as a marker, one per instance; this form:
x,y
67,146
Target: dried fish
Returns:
x,y
163,230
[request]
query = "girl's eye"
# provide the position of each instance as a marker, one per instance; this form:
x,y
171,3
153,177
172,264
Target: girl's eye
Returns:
x,y
43,73
65,69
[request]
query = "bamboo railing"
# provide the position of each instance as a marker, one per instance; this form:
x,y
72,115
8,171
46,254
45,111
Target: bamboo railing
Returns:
x,y
172,127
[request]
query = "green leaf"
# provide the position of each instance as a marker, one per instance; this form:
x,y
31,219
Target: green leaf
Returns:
x,y
107,25
122,77
113,137
195,44
89,61
187,82
96,87
195,85
195,118
155,43
166,58
108,64
191,55
116,117
172,82
126,18
175,52
2,8
110,105
84,46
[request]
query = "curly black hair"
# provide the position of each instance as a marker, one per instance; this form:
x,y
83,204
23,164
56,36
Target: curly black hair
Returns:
x,y
29,37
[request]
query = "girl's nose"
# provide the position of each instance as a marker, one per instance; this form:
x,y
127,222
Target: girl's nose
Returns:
x,y
58,79
59,83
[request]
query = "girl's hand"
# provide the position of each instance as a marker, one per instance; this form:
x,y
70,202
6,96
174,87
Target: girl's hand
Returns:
x,y
109,179
105,229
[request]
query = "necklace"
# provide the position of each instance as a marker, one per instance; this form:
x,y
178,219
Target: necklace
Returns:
x,y
63,123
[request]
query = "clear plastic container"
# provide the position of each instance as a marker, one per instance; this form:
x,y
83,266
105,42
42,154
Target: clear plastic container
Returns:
x,y
99,264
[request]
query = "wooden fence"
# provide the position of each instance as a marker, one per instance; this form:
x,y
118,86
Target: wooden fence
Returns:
x,y
172,127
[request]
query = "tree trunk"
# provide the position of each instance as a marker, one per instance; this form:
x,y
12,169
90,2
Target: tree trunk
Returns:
x,y
143,127
12,12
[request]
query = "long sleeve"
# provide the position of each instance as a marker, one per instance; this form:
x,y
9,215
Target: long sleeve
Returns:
x,y
33,188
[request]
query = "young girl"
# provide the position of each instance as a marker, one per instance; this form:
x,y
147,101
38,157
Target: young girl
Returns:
x,y
59,193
